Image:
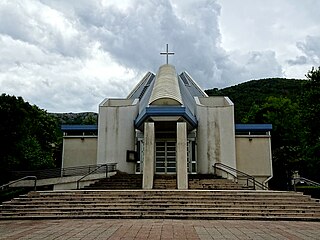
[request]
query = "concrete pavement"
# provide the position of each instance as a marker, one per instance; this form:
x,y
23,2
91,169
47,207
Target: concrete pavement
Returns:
x,y
156,229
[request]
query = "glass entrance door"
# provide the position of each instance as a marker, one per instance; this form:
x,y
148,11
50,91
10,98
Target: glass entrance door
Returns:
x,y
165,157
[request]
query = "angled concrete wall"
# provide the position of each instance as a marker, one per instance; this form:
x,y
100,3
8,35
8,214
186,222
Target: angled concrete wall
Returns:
x,y
215,133
116,132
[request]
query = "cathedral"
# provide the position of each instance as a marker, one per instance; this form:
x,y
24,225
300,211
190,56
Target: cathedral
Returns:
x,y
168,125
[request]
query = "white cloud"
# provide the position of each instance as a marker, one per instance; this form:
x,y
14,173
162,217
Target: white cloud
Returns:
x,y
254,25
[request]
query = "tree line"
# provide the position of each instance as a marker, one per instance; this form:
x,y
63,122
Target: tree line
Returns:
x,y
293,108
30,137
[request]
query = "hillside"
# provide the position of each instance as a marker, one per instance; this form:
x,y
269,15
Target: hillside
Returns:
x,y
244,95
84,118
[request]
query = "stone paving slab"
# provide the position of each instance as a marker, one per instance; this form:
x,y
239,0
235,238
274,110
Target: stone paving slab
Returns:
x,y
75,229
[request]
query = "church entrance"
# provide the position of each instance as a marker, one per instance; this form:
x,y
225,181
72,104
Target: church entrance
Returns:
x,y
165,157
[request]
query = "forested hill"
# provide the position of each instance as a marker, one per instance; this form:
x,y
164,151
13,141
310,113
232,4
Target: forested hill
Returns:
x,y
84,118
246,94
243,95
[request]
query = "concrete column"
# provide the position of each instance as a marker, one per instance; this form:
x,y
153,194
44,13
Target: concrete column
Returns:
x,y
182,170
148,158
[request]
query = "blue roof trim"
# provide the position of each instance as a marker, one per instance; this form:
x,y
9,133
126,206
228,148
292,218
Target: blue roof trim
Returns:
x,y
253,127
83,128
166,111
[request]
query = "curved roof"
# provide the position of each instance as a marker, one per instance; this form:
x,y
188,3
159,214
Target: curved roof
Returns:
x,y
166,87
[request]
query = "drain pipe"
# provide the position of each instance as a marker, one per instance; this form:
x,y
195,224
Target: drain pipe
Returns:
x,y
271,167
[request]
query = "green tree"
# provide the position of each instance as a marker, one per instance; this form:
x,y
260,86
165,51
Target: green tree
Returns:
x,y
282,113
29,136
310,118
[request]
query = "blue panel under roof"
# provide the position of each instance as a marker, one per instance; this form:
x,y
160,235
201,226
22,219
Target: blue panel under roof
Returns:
x,y
83,128
166,111
253,127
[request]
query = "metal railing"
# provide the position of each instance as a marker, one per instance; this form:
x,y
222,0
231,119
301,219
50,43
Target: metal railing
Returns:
x,y
2,187
109,167
239,175
303,180
55,172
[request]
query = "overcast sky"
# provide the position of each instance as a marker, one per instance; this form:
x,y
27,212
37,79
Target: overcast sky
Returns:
x,y
68,55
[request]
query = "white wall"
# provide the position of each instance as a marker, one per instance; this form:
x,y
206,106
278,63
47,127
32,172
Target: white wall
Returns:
x,y
79,151
254,155
116,133
215,134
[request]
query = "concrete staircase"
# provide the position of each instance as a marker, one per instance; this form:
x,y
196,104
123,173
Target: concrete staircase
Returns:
x,y
205,182
118,181
211,182
162,204
161,181
165,181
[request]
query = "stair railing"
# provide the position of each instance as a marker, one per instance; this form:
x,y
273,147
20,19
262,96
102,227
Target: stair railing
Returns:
x,y
2,187
296,180
239,175
112,166
55,172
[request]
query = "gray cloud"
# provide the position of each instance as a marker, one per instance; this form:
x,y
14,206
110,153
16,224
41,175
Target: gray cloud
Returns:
x,y
299,60
69,55
311,48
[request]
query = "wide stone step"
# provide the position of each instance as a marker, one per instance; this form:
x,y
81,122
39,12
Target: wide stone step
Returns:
x,y
180,209
258,205
154,191
164,216
174,197
165,204
167,199
160,213
168,193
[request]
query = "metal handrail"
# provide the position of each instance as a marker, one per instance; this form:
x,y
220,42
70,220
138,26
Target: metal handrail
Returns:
x,y
113,165
56,172
304,180
19,180
236,173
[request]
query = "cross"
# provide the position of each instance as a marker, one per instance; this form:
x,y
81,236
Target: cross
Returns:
x,y
167,53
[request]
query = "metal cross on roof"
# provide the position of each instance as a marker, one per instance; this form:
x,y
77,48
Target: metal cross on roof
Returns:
x,y
167,53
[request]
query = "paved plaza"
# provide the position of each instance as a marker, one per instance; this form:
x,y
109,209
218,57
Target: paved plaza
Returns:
x,y
157,229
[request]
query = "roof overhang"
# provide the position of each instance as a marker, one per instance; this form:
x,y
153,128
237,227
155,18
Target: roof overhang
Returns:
x,y
165,113
76,127
253,127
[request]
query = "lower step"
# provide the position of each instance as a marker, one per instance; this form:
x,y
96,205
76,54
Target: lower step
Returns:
x,y
165,216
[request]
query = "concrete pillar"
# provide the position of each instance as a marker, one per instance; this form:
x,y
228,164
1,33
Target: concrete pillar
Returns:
x,y
182,169
149,154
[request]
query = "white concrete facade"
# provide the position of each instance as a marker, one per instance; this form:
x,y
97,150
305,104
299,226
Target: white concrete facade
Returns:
x,y
215,133
175,128
148,162
182,173
116,133
79,151
254,156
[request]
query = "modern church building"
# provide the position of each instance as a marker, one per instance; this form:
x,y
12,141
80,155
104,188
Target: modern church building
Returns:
x,y
169,125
